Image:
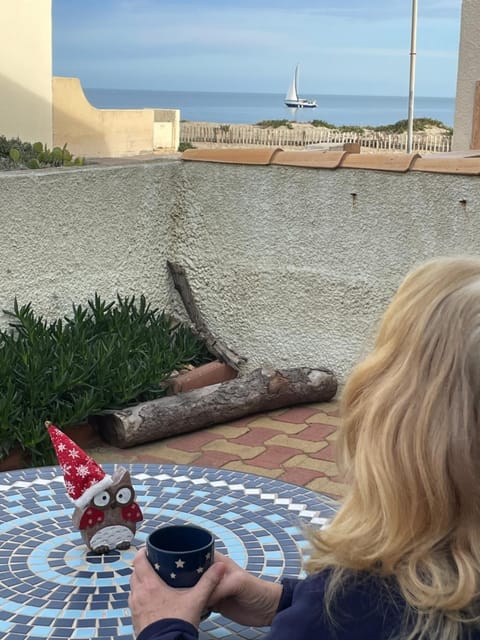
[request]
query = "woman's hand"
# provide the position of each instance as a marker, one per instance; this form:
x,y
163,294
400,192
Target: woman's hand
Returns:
x,y
242,597
151,599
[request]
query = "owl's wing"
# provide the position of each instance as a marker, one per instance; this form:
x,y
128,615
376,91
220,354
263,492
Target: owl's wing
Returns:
x,y
90,518
132,513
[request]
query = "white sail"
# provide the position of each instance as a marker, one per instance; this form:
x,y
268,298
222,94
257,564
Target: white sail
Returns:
x,y
292,93
292,99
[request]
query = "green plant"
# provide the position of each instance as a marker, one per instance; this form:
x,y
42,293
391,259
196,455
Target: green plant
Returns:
x,y
323,123
20,155
102,357
419,124
14,155
183,146
274,124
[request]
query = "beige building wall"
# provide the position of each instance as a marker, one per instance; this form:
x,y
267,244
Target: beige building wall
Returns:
x,y
93,132
468,74
26,70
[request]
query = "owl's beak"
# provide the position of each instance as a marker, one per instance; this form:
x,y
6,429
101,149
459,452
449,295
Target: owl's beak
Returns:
x,y
113,504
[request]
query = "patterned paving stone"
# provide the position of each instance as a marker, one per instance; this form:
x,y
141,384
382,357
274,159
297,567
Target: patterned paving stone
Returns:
x,y
227,431
324,418
294,442
297,415
191,441
325,485
269,423
316,431
250,468
274,457
257,436
307,462
325,454
273,444
301,476
331,408
170,455
217,459
241,451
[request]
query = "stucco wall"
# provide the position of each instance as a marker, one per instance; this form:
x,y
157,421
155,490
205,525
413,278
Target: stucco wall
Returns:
x,y
468,74
287,267
67,234
291,269
26,70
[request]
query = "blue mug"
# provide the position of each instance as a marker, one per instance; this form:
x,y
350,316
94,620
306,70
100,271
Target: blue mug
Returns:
x,y
180,554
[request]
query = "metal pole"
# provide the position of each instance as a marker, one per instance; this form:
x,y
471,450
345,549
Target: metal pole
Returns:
x,y
411,91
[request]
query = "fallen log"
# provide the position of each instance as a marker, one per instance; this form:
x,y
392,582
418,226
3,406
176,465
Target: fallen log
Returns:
x,y
261,390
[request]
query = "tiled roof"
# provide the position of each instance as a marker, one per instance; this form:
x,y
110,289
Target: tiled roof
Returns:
x,y
454,163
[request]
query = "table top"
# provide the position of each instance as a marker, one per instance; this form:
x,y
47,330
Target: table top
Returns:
x,y
53,588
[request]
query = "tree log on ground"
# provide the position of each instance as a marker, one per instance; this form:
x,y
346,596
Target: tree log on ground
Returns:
x,y
261,390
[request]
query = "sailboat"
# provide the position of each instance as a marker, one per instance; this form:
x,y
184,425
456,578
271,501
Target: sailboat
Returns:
x,y
292,99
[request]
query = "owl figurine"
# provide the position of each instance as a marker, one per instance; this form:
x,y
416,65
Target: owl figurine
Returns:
x,y
105,509
109,521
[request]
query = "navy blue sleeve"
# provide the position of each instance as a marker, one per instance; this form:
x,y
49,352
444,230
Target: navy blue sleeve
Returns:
x,y
288,585
363,610
169,629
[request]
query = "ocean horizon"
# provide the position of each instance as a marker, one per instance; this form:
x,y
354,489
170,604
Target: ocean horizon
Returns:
x,y
250,108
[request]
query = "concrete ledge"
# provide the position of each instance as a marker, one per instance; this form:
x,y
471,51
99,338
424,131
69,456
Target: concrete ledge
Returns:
x,y
260,156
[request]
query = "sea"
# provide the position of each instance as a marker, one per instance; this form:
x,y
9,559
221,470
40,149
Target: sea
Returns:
x,y
251,108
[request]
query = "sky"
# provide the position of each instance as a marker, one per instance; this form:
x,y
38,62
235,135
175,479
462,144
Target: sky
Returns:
x,y
356,47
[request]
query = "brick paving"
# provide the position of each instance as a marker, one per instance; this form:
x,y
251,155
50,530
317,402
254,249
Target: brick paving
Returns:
x,y
295,444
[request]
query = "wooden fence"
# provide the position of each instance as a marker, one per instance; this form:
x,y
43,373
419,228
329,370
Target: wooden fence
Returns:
x,y
251,135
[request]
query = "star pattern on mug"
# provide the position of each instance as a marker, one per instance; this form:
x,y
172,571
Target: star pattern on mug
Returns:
x,y
179,563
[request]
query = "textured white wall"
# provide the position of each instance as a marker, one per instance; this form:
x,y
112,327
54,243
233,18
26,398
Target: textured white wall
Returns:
x,y
66,234
26,70
291,269
288,268
468,74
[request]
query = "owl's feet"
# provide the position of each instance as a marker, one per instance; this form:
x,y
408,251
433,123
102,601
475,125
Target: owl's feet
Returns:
x,y
101,549
123,545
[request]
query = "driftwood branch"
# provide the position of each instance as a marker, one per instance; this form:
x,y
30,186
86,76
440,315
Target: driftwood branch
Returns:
x,y
261,390
221,351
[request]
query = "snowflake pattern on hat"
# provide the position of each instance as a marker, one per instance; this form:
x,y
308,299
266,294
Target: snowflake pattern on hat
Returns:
x,y
84,477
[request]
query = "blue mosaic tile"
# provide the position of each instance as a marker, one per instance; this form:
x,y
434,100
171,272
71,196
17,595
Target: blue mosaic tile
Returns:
x,y
53,588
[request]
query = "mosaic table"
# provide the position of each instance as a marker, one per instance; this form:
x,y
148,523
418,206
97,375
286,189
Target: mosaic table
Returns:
x,y
53,588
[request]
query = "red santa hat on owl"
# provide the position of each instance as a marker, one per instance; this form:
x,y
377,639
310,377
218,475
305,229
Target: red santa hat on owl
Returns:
x,y
84,477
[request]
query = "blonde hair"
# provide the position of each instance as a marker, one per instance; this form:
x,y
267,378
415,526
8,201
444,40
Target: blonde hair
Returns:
x,y
410,446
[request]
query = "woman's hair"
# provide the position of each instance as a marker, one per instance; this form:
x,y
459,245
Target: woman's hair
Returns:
x,y
410,447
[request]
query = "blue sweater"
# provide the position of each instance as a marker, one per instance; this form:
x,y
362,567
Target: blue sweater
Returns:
x,y
366,609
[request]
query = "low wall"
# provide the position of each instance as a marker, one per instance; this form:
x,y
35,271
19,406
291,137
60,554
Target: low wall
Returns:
x,y
98,133
289,265
69,233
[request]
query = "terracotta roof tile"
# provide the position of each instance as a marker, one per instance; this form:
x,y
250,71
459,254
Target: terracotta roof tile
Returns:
x,y
314,159
452,163
467,166
379,161
263,155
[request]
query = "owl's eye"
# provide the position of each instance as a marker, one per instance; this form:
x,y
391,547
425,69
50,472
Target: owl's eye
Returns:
x,y
123,495
101,499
